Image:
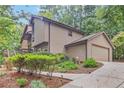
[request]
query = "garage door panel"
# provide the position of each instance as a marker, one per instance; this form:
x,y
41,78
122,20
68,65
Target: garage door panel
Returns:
x,y
100,53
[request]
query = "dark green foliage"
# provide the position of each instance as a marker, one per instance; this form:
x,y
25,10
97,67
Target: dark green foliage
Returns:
x,y
118,42
88,18
21,82
73,15
61,57
37,84
90,62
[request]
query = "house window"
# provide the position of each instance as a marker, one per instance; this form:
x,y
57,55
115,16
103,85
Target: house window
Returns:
x,y
69,33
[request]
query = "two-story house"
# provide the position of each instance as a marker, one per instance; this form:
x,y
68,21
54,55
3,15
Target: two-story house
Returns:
x,y
55,37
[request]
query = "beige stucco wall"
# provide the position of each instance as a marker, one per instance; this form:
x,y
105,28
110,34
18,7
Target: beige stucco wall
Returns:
x,y
40,32
77,51
100,41
59,37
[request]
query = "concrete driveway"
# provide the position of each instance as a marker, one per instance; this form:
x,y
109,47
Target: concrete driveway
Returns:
x,y
111,75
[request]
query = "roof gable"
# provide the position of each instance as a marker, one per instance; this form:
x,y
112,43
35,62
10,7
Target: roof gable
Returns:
x,y
56,23
105,35
90,37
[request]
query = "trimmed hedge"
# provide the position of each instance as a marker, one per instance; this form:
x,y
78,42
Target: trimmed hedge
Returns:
x,y
18,61
34,62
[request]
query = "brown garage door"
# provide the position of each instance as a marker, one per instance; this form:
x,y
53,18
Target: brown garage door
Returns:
x,y
100,53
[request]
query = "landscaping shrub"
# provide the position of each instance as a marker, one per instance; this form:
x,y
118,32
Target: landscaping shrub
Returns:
x,y
90,62
67,65
18,61
34,63
61,57
37,84
21,82
37,62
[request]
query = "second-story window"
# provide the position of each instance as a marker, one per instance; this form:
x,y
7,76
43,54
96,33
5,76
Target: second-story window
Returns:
x,y
69,33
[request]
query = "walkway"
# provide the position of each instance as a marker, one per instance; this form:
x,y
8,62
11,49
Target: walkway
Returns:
x,y
111,75
68,76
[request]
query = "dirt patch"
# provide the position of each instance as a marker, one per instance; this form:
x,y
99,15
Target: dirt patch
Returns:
x,y
9,80
82,69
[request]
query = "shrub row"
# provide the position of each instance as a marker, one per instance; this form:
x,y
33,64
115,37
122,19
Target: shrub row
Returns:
x,y
34,63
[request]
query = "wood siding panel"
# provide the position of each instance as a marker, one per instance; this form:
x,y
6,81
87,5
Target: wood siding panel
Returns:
x,y
77,51
40,32
59,38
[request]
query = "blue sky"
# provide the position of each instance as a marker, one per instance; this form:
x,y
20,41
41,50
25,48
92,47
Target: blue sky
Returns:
x,y
33,9
29,8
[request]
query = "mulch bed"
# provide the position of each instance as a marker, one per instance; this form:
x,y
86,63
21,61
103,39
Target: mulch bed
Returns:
x,y
119,61
81,69
9,80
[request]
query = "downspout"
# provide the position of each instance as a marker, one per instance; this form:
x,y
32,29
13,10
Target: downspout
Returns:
x,y
49,37
86,48
32,35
